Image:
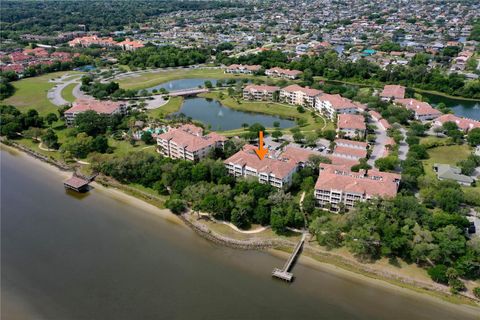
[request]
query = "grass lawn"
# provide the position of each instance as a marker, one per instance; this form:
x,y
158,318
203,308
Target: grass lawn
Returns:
x,y
272,108
31,93
122,147
173,105
448,155
147,80
67,92
445,154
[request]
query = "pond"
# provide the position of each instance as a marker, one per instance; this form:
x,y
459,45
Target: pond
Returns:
x,y
182,84
462,108
219,117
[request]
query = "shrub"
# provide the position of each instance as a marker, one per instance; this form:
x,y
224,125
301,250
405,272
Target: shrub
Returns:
x,y
438,273
456,285
177,206
476,292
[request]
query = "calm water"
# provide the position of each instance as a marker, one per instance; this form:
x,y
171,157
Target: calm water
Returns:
x,y
220,117
101,258
463,108
183,84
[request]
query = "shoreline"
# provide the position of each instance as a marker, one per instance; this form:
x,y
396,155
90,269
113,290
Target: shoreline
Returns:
x,y
312,256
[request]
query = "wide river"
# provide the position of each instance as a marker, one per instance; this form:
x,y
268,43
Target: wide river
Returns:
x,y
102,256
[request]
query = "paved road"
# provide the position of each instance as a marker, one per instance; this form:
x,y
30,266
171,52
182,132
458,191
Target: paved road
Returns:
x,y
380,142
55,93
403,147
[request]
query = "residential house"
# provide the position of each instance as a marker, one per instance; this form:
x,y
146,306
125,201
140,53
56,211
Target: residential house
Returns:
x,y
448,172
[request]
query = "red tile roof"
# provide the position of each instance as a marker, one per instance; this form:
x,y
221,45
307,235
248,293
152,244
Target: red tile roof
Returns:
x,y
357,144
393,91
337,101
285,71
308,91
247,157
419,107
463,123
297,154
353,152
385,124
190,137
351,121
105,107
254,87
343,161
375,115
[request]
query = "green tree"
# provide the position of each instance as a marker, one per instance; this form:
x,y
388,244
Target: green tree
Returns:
x,y
100,144
91,123
50,139
51,118
473,137
147,138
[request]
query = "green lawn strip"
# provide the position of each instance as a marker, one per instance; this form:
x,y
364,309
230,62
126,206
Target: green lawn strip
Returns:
x,y
151,79
173,105
448,155
67,92
31,93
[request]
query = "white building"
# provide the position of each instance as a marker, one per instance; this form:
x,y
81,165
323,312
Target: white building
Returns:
x,y
188,143
333,104
297,95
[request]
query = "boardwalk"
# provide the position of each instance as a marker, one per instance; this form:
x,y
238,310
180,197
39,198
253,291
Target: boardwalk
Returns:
x,y
285,273
187,92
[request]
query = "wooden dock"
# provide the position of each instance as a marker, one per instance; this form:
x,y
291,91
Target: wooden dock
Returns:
x,y
285,273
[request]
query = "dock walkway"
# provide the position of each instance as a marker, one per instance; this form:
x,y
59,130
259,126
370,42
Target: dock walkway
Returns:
x,y
285,273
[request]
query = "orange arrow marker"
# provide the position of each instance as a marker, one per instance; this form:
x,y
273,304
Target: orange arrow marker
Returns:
x,y
261,151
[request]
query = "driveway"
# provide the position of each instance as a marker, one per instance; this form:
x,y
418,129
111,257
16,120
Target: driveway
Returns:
x,y
380,141
403,146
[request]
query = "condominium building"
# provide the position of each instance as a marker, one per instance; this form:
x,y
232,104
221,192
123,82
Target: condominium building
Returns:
x,y
259,92
423,111
275,169
392,92
337,186
187,142
283,73
351,125
295,94
101,107
463,124
333,104
240,68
